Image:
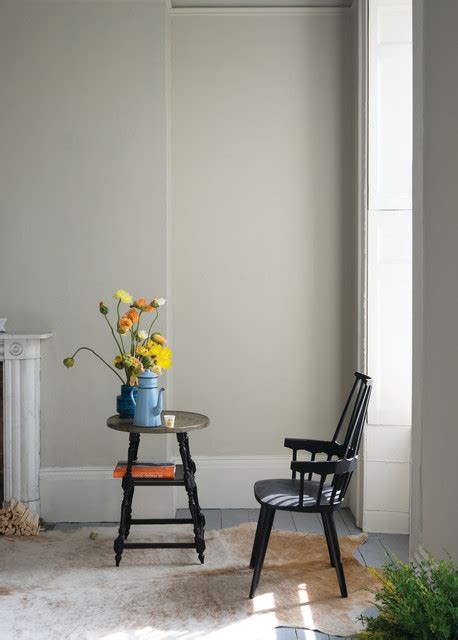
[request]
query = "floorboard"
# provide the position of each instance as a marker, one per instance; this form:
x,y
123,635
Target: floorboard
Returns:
x,y
396,544
285,633
213,517
373,551
349,520
233,517
284,521
308,522
306,634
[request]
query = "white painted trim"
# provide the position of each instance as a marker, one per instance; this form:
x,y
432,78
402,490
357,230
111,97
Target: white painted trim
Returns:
x,y
20,354
169,212
386,522
417,219
223,482
257,11
362,33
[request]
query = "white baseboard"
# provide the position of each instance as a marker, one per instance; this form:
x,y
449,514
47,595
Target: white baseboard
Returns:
x,y
385,522
226,482
90,494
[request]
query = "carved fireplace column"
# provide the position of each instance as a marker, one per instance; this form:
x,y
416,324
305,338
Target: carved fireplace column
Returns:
x,y
20,354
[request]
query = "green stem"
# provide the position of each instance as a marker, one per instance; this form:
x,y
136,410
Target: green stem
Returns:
x,y
151,325
100,358
113,333
137,329
120,335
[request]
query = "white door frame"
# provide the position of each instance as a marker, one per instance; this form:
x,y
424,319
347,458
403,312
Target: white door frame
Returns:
x,y
362,25
417,257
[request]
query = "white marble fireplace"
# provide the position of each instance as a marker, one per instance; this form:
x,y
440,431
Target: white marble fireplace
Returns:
x,y
20,354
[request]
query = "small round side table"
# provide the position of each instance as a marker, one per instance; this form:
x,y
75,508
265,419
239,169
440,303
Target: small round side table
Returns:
x,y
184,476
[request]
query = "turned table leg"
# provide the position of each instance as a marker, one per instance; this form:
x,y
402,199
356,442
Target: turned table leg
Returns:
x,y
189,469
128,493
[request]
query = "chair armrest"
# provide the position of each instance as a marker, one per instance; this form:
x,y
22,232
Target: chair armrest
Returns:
x,y
324,467
314,446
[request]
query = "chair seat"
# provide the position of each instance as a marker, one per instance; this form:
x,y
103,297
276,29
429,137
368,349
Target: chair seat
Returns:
x,y
283,493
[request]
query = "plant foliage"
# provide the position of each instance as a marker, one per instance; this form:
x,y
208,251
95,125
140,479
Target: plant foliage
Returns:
x,y
415,601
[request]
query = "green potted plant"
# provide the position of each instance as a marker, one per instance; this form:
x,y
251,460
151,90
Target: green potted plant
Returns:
x,y
415,602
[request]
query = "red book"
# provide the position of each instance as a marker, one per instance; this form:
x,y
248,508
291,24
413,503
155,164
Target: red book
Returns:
x,y
163,470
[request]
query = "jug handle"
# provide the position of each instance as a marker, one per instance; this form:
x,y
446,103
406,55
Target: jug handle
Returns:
x,y
132,397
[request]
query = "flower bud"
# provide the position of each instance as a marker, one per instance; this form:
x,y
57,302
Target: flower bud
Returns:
x,y
159,339
69,362
103,308
124,325
157,302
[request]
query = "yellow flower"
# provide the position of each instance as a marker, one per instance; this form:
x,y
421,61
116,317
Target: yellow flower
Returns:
x,y
156,369
153,348
141,351
123,296
164,358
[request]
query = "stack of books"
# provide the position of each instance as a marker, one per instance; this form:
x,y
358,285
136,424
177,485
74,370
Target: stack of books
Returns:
x,y
146,470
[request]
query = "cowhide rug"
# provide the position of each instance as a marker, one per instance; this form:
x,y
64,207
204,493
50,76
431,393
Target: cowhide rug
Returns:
x,y
63,584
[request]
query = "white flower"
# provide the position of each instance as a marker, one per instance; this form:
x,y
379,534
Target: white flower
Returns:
x,y
142,335
158,302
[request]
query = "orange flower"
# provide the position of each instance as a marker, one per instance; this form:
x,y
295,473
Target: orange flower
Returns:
x,y
124,324
159,339
143,305
132,314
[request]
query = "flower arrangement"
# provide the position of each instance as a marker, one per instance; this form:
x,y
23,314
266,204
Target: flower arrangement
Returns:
x,y
144,349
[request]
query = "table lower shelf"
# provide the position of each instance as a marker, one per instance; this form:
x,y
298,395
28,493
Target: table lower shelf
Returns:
x,y
178,480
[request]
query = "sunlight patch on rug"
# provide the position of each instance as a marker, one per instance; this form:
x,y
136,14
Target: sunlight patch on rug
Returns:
x,y
62,584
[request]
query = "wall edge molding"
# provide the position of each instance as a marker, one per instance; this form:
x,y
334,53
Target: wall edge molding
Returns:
x,y
256,11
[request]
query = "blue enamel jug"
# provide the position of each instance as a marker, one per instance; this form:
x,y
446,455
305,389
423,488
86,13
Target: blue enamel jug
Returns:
x,y
149,400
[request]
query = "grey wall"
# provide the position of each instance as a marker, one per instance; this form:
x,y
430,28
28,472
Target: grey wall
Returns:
x,y
438,398
82,189
263,229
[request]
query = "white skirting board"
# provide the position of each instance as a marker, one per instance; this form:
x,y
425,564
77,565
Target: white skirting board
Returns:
x,y
90,494
386,522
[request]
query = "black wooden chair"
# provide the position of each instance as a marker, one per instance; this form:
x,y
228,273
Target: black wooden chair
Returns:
x,y
315,495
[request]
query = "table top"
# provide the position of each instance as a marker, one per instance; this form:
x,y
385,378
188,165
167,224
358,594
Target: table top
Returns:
x,y
184,421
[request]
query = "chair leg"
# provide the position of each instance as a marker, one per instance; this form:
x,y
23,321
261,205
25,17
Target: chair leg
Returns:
x,y
336,553
257,537
327,534
263,542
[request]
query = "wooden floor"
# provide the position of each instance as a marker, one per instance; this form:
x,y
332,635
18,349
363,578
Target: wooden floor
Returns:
x,y
375,552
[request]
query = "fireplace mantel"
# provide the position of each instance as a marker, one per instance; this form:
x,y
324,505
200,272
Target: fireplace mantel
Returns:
x,y
20,354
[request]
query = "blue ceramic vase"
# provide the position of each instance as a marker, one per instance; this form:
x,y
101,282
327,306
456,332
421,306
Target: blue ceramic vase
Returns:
x,y
125,403
149,401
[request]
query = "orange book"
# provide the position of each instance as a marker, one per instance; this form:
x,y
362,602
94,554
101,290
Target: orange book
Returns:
x,y
163,470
